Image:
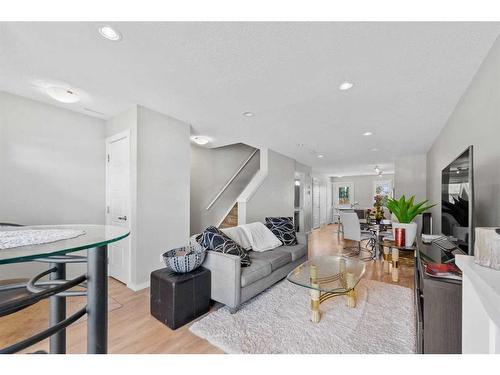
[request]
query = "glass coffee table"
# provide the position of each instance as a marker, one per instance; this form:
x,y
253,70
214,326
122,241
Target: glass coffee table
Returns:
x,y
328,276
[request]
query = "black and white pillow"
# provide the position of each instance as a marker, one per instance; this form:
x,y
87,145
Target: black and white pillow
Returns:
x,y
282,227
214,239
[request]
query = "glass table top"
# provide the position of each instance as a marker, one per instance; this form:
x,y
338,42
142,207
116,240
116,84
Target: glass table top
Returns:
x,y
328,273
95,236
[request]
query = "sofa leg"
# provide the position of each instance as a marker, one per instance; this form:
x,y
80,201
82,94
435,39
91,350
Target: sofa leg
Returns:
x,y
233,310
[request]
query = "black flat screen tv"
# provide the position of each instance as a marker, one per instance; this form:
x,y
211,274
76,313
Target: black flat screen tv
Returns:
x,y
457,201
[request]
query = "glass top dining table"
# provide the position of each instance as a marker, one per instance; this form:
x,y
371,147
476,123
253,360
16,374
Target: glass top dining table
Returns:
x,y
94,236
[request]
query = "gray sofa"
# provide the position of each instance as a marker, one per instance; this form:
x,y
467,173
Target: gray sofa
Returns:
x,y
232,284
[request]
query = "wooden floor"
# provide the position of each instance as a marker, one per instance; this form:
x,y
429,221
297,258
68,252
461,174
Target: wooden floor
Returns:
x,y
133,330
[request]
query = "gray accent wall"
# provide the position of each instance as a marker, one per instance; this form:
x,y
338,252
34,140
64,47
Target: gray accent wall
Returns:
x,y
275,196
475,121
52,168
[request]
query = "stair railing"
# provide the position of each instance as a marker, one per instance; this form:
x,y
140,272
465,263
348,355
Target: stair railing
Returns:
x,y
232,179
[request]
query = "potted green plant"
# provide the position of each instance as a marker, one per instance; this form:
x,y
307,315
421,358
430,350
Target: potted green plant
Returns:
x,y
405,211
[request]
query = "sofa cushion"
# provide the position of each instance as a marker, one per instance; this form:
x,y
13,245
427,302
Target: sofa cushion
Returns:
x,y
258,270
282,227
275,257
296,251
214,239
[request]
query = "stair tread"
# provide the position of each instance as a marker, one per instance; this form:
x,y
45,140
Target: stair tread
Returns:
x,y
231,219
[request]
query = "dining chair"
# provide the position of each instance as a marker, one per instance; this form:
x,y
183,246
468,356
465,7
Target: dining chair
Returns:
x,y
352,231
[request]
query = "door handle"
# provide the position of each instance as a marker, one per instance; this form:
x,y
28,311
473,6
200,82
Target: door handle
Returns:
x,y
124,218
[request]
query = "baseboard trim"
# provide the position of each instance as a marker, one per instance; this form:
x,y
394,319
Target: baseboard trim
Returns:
x,y
137,287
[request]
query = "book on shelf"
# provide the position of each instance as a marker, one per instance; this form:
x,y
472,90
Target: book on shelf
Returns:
x,y
443,270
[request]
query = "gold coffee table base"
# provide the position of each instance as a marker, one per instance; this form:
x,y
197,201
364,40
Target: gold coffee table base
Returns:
x,y
318,297
328,276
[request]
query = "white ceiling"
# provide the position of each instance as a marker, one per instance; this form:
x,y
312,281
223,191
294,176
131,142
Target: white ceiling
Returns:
x,y
408,78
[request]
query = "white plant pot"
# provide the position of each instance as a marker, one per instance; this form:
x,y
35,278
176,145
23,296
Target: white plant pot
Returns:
x,y
410,232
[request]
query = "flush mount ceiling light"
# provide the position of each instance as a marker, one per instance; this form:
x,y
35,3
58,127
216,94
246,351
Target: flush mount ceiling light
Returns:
x,y
321,156
200,139
346,86
366,134
248,114
374,149
62,94
109,33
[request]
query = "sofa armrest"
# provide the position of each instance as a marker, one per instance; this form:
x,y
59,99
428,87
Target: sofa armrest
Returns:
x,y
225,270
302,237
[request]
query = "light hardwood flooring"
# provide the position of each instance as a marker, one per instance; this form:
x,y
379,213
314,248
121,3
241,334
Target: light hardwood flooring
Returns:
x,y
131,327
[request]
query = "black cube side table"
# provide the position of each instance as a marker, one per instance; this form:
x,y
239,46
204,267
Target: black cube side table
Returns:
x,y
178,298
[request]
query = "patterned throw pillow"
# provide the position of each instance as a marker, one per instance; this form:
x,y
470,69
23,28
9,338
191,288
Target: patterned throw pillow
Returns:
x,y
282,227
214,239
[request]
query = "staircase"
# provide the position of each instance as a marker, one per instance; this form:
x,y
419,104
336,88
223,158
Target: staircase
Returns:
x,y
231,219
223,209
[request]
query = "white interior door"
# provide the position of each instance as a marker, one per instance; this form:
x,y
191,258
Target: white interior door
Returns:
x,y
316,205
118,202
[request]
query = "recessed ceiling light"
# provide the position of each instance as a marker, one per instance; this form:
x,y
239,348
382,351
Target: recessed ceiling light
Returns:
x,y
321,156
109,33
367,133
200,139
248,114
374,149
63,95
346,86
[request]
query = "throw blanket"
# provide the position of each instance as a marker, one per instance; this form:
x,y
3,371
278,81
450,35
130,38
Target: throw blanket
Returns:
x,y
26,237
260,237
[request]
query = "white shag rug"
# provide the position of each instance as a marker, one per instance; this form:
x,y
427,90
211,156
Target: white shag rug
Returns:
x,y
278,321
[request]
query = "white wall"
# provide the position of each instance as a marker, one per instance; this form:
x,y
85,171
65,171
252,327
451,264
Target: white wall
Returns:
x,y
160,185
163,168
363,187
275,196
211,169
410,176
305,173
325,198
52,168
475,121
128,121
